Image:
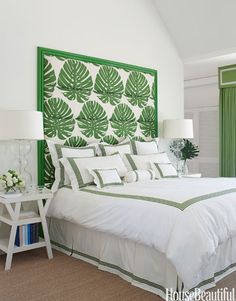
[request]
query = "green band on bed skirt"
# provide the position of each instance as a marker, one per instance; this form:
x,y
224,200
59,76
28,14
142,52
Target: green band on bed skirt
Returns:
x,y
139,279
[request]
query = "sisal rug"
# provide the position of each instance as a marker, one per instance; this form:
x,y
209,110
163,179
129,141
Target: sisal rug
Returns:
x,y
34,278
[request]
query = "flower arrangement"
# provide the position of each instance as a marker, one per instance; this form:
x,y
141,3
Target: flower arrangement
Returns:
x,y
11,181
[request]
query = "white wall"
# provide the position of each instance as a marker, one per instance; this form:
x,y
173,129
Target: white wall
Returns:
x,y
129,31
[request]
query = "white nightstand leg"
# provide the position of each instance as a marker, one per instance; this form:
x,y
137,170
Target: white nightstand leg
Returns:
x,y
42,213
12,238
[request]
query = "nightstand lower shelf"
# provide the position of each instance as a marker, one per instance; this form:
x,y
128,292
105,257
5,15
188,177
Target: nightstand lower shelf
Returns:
x,y
5,242
14,217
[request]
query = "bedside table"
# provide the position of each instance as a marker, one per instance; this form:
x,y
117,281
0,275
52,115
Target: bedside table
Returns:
x,y
12,217
193,175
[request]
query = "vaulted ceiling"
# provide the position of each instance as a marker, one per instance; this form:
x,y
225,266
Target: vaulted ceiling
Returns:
x,y
200,28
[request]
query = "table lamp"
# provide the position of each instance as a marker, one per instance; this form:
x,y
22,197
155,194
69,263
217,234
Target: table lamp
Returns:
x,y
22,127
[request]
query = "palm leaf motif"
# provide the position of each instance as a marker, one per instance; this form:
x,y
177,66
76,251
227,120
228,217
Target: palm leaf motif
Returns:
x,y
49,79
108,85
153,91
138,138
147,122
110,139
75,141
92,120
58,119
74,81
49,171
123,121
137,89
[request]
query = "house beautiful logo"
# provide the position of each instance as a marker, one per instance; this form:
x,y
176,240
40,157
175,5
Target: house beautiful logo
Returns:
x,y
223,294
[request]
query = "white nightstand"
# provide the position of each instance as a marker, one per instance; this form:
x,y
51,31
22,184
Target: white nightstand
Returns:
x,y
12,217
193,175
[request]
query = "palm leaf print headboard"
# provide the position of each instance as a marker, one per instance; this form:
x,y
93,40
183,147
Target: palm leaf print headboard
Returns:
x,y
86,99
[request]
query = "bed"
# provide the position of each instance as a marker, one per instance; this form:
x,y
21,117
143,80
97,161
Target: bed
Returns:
x,y
173,233
170,233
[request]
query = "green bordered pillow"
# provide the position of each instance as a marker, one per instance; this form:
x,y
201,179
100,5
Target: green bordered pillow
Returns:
x,y
164,170
136,162
144,148
122,148
59,151
78,168
139,176
106,177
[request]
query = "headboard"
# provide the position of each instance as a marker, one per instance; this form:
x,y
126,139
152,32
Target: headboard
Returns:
x,y
86,99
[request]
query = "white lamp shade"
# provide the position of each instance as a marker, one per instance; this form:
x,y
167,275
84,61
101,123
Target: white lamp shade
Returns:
x,y
178,128
20,124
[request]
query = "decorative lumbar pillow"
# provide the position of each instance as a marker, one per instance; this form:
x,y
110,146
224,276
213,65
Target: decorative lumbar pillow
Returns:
x,y
122,148
78,168
139,175
145,148
59,151
164,170
134,162
106,177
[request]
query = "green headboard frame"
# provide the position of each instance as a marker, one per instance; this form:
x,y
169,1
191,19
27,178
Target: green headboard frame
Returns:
x,y
86,99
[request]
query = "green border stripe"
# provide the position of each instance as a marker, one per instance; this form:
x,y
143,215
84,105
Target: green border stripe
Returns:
x,y
137,177
112,266
77,172
102,149
102,184
133,146
139,279
180,206
151,173
159,170
131,162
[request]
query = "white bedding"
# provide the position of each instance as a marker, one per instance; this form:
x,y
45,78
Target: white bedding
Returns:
x,y
186,219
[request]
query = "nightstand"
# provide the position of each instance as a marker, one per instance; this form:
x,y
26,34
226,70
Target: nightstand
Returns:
x,y
193,175
11,216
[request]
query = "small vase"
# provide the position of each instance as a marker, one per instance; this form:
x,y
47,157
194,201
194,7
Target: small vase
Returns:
x,y
184,167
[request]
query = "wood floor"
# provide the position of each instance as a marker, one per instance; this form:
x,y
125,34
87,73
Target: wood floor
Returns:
x,y
34,278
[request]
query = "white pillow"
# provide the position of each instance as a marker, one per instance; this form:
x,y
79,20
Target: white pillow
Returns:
x,y
139,175
145,148
122,148
134,162
59,151
164,170
78,168
106,177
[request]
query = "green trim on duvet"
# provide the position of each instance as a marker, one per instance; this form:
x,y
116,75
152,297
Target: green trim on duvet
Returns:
x,y
180,206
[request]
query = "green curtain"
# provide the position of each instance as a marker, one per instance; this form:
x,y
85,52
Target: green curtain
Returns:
x,y
228,132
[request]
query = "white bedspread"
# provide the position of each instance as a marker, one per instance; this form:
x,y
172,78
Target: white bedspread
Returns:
x,y
184,218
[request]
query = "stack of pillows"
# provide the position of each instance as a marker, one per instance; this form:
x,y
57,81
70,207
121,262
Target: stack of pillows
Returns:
x,y
108,165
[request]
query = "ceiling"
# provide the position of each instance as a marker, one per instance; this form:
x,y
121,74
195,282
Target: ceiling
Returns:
x,y
200,28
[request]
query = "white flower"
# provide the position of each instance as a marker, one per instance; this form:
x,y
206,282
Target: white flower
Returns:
x,y
9,183
8,175
2,184
15,180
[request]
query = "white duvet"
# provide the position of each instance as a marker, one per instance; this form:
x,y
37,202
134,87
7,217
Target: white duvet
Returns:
x,y
184,218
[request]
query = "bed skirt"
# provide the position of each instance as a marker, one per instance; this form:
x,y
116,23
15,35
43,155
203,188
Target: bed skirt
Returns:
x,y
138,264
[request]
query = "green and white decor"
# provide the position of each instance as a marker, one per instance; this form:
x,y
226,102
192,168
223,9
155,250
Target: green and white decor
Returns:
x,y
11,181
86,100
227,109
